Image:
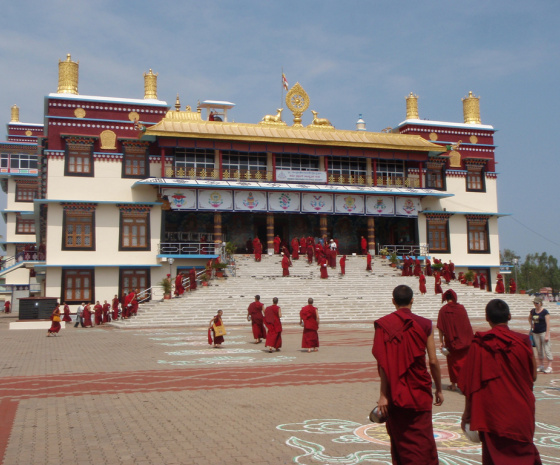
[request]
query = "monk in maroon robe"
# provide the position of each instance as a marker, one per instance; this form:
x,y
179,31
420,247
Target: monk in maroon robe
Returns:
x,y
217,341
127,308
303,245
455,334
87,316
512,286
179,288
500,284
309,319
115,307
67,316
497,381
98,310
363,245
192,279
256,317
405,401
422,283
7,306
323,267
462,278
105,312
55,318
482,281
437,283
452,270
295,249
475,280
343,265
277,243
310,250
272,319
428,267
285,265
446,273
368,262
417,267
134,304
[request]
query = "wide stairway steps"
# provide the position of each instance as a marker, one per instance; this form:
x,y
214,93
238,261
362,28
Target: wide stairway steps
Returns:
x,y
359,296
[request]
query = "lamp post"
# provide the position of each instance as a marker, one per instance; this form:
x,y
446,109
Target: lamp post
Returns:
x,y
515,261
170,260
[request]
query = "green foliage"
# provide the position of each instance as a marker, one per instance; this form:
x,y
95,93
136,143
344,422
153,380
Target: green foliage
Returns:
x,y
230,248
536,271
469,276
166,285
393,258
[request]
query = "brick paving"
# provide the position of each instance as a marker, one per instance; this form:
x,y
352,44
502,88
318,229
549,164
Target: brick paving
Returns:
x,y
138,397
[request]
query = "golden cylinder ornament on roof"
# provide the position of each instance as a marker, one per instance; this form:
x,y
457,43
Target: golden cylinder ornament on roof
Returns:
x,y
471,109
412,107
68,76
15,114
150,85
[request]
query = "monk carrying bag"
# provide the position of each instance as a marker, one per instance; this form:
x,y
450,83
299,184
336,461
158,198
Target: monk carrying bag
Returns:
x,y
219,330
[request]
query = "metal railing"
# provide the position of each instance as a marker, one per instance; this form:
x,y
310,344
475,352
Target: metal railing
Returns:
x,y
410,250
190,248
21,257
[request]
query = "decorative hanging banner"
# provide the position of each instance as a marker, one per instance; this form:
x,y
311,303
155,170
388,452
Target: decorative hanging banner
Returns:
x,y
380,205
180,199
210,199
349,203
407,206
317,203
283,201
250,201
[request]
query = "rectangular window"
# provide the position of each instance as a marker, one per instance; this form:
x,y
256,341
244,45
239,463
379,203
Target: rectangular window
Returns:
x,y
79,231
135,231
243,161
189,163
79,160
478,235
135,161
475,180
391,169
77,286
296,162
132,279
25,226
438,235
435,179
26,192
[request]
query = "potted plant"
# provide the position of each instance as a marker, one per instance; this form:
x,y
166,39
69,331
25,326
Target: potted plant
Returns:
x,y
204,278
394,259
469,277
437,266
166,286
230,248
219,267
384,252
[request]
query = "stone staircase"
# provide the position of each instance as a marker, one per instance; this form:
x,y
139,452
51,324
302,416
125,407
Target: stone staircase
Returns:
x,y
359,296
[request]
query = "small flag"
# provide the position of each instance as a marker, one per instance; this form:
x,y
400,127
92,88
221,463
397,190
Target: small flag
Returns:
x,y
284,81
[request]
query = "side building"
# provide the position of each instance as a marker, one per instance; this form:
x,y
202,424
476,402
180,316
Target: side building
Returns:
x,y
117,187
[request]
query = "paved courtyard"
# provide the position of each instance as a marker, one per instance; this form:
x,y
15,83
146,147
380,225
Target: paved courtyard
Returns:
x,y
164,397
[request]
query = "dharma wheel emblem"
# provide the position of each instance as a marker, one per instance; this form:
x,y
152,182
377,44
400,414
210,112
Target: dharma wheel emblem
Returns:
x,y
297,101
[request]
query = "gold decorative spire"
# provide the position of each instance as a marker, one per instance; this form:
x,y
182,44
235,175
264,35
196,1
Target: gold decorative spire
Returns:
x,y
150,85
15,114
297,101
471,109
177,104
68,76
412,107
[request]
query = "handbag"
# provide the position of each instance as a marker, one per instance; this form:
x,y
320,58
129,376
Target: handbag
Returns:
x,y
532,338
56,318
219,330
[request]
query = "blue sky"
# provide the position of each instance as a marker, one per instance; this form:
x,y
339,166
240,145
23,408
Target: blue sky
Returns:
x,y
351,57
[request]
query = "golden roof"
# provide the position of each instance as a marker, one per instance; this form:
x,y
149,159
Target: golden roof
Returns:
x,y
189,124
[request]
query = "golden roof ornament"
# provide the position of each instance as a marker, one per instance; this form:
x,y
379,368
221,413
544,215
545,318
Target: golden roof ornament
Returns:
x,y
68,76
15,114
150,85
177,104
412,107
297,101
471,109
274,119
320,122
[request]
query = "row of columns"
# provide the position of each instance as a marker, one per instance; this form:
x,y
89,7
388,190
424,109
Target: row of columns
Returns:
x,y
218,238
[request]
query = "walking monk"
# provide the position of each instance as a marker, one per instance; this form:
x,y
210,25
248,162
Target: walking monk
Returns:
x,y
273,323
497,381
343,265
422,283
285,265
115,307
309,319
455,333
405,400
255,316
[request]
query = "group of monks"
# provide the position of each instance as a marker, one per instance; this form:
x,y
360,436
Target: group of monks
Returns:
x,y
180,282
266,324
495,370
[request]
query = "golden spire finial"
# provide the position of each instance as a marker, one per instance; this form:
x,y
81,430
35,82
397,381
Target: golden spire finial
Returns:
x,y
150,85
412,107
471,109
177,104
68,76
15,114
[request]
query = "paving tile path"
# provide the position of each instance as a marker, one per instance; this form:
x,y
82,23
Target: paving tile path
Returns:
x,y
138,397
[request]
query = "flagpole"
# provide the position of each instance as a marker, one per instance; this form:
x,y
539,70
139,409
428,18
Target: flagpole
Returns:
x,y
282,89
